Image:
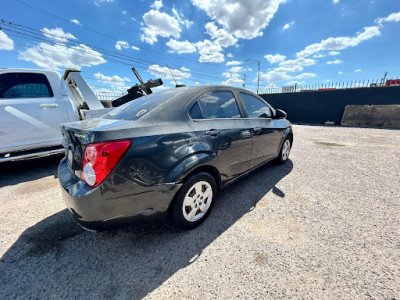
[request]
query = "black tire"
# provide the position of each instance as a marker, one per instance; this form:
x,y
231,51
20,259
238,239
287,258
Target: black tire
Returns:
x,y
282,158
203,181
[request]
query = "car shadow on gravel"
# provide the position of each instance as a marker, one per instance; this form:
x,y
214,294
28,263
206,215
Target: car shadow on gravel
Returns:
x,y
12,173
58,259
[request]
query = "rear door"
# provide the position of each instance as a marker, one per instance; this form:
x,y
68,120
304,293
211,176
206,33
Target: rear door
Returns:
x,y
30,111
266,133
217,119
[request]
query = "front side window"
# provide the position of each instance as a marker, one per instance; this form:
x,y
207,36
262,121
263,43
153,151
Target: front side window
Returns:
x,y
24,85
255,108
218,105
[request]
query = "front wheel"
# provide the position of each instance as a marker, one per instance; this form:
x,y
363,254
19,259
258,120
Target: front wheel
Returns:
x,y
194,201
285,151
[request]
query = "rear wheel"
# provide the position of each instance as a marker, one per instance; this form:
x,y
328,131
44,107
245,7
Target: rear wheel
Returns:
x,y
285,151
194,201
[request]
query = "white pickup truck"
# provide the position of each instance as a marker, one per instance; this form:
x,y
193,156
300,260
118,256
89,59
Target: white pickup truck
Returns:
x,y
33,104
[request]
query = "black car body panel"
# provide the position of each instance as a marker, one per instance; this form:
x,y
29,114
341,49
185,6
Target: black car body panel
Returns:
x,y
166,146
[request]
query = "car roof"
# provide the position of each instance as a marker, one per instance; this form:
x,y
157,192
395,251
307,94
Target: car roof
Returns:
x,y
173,109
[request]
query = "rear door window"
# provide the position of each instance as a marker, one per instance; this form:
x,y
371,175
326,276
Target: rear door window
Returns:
x,y
139,107
217,105
255,107
24,85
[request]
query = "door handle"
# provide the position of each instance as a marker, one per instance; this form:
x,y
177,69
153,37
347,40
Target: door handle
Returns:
x,y
245,134
212,132
52,105
257,130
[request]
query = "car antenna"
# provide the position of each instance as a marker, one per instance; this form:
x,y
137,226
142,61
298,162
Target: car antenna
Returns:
x,y
176,84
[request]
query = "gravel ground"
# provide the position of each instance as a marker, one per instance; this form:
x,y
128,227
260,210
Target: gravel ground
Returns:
x,y
325,225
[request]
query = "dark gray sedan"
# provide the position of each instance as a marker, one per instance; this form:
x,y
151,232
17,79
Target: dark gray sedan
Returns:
x,y
168,154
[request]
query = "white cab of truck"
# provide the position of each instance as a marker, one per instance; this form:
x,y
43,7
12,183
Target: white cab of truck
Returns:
x,y
33,104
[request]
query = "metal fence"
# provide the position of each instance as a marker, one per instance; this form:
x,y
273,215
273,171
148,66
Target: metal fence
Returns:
x,y
109,95
330,86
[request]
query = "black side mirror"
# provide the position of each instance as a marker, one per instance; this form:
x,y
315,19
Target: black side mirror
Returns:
x,y
280,114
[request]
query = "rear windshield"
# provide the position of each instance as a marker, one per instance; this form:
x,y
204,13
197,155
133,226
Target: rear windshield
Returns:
x,y
137,108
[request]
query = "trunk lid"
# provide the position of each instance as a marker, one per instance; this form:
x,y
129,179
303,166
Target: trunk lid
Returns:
x,y
76,135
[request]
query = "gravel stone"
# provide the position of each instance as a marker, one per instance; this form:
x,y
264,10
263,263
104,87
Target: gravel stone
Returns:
x,y
326,225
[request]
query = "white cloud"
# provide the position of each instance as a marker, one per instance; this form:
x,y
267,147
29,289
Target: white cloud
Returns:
x,y
320,55
165,73
156,23
59,56
115,78
97,2
358,70
289,66
340,43
340,73
181,47
233,81
55,56
58,35
209,52
244,19
276,58
333,53
236,69
115,82
76,22
5,42
157,4
180,17
274,76
220,36
124,12
288,25
230,55
175,83
159,24
233,63
135,48
121,45
294,82
305,76
394,17
335,1
300,62
334,62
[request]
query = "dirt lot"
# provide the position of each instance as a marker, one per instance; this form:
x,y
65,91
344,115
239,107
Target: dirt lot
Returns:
x,y
326,225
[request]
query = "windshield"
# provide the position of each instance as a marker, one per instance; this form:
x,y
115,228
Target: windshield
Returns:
x,y
137,108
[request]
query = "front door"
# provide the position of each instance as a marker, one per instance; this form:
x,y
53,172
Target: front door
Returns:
x,y
266,135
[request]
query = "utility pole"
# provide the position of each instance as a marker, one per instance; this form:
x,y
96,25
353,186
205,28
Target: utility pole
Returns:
x,y
244,81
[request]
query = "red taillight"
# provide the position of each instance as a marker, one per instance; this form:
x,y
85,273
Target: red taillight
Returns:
x,y
100,159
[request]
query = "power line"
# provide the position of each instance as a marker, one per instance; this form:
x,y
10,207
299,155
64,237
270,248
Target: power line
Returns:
x,y
108,36
111,60
23,31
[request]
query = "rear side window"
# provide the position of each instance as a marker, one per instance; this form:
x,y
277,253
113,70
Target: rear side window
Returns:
x,y
24,85
255,107
218,105
139,107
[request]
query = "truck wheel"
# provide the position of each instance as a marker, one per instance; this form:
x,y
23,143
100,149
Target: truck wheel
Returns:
x,y
194,201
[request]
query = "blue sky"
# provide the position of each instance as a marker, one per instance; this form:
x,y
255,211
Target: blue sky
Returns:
x,y
205,41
